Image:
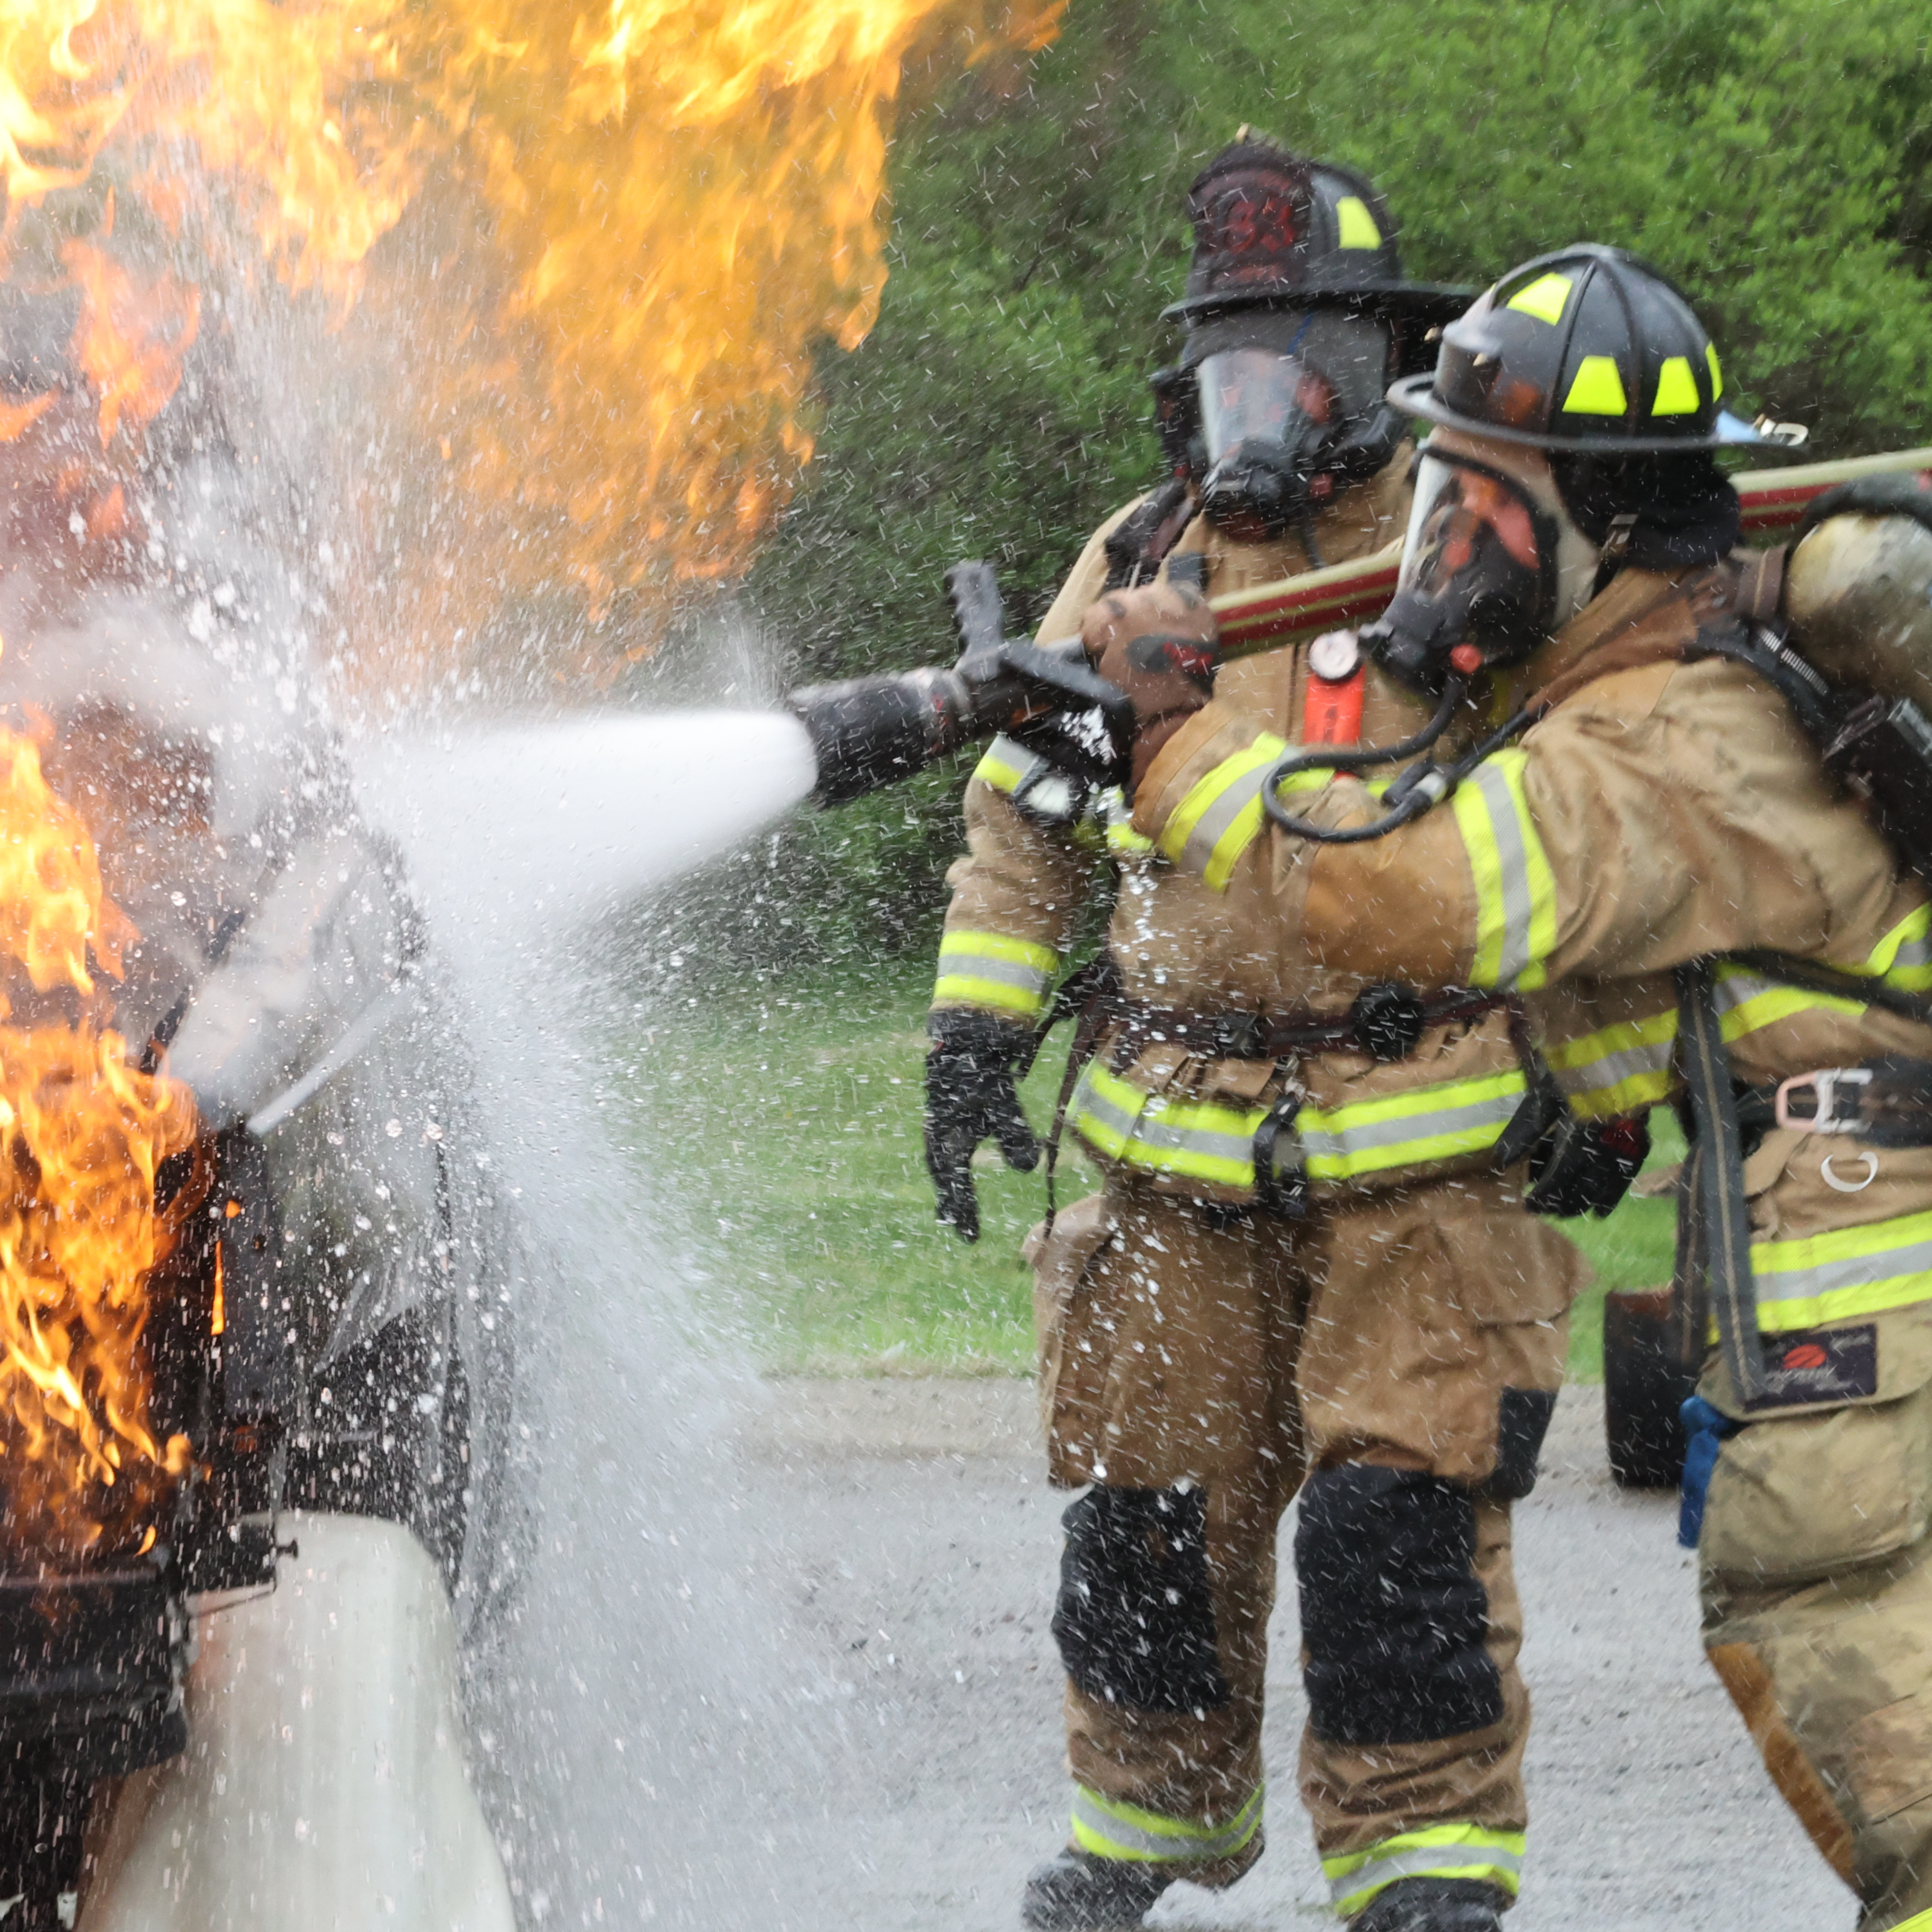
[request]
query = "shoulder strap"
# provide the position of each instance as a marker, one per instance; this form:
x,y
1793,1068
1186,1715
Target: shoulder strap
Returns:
x,y
1760,649
1760,598
1135,548
1715,1185
1628,646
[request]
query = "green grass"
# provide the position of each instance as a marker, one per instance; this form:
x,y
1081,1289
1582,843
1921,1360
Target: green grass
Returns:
x,y
793,1169
1632,1248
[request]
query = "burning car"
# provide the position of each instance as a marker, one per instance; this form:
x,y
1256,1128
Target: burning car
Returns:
x,y
255,1269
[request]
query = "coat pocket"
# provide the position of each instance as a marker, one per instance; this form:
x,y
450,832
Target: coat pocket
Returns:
x,y
1072,1372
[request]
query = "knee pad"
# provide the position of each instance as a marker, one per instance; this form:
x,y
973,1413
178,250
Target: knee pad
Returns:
x,y
1522,1421
1134,1621
1393,1615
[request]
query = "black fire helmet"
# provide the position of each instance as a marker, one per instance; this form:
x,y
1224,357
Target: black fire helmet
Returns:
x,y
1277,230
1590,350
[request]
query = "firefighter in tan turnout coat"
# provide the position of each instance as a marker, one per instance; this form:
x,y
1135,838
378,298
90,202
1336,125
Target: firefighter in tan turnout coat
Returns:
x,y
1688,902
1395,1325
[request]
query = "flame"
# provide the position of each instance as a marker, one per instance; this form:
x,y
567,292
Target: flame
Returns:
x,y
691,198
131,336
83,1132
624,231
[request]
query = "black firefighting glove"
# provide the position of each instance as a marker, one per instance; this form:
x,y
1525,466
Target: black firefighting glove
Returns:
x,y
972,1094
1586,1167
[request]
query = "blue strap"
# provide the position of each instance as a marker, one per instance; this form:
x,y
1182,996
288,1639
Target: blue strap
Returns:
x,y
1705,1429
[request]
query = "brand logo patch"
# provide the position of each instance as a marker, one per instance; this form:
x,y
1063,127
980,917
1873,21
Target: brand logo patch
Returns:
x,y
1825,1365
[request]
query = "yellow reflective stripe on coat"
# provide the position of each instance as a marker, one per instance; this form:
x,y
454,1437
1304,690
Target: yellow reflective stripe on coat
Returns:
x,y
1904,957
1618,1069
1919,1921
1515,891
1195,1140
1222,817
1110,1827
1037,786
1625,1068
1005,766
1443,1122
1208,1141
1851,1271
1435,1851
987,969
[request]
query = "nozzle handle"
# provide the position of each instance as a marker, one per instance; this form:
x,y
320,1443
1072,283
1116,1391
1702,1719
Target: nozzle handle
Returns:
x,y
974,589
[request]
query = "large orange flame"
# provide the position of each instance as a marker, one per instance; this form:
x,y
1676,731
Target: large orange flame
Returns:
x,y
615,236
82,1135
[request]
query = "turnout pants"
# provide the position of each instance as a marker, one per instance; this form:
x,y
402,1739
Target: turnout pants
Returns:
x,y
1817,1580
1394,1358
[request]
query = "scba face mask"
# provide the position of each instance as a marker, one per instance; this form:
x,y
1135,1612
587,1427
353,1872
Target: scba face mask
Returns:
x,y
1492,564
1290,404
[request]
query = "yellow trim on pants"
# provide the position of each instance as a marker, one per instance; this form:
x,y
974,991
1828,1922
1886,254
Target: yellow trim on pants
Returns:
x,y
1111,1828
1432,1851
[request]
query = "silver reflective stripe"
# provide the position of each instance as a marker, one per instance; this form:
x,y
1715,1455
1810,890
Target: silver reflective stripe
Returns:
x,y
1318,1143
1240,793
1107,1113
1423,1861
1830,1277
1151,1131
1612,1070
1735,988
1095,1818
959,962
1513,864
1015,757
1146,1130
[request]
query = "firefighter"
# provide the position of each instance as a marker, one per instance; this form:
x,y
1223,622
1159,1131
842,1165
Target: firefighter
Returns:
x,y
1393,1319
1663,868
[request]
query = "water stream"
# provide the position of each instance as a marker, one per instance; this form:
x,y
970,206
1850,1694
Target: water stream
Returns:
x,y
625,1708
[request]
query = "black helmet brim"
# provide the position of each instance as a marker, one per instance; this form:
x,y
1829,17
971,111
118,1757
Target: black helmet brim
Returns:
x,y
1434,305
1415,396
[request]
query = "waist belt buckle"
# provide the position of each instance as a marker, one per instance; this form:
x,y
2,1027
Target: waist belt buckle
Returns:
x,y
1824,1084
1279,1190
1242,1037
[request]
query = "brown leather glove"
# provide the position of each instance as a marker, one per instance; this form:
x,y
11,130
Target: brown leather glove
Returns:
x,y
1158,645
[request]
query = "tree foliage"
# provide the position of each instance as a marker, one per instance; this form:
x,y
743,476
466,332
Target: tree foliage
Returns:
x,y
1775,156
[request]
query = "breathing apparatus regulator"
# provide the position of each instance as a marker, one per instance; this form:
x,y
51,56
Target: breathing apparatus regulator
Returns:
x,y
1298,317
1593,366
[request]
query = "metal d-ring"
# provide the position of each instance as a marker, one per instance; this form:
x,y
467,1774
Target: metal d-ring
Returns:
x,y
1850,1186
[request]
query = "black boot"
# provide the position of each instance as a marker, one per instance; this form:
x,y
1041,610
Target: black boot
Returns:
x,y
1434,1905
1076,1892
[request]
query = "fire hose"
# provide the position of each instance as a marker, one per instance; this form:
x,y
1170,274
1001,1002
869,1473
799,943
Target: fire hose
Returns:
x,y
870,732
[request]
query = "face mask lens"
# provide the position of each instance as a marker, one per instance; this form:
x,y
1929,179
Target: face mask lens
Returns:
x,y
1259,395
1468,528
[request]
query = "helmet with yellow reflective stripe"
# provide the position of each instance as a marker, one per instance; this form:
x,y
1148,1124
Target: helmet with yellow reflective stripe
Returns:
x,y
1274,229
1589,349
1298,316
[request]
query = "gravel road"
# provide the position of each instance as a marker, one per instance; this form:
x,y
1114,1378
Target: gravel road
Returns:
x,y
917,1556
